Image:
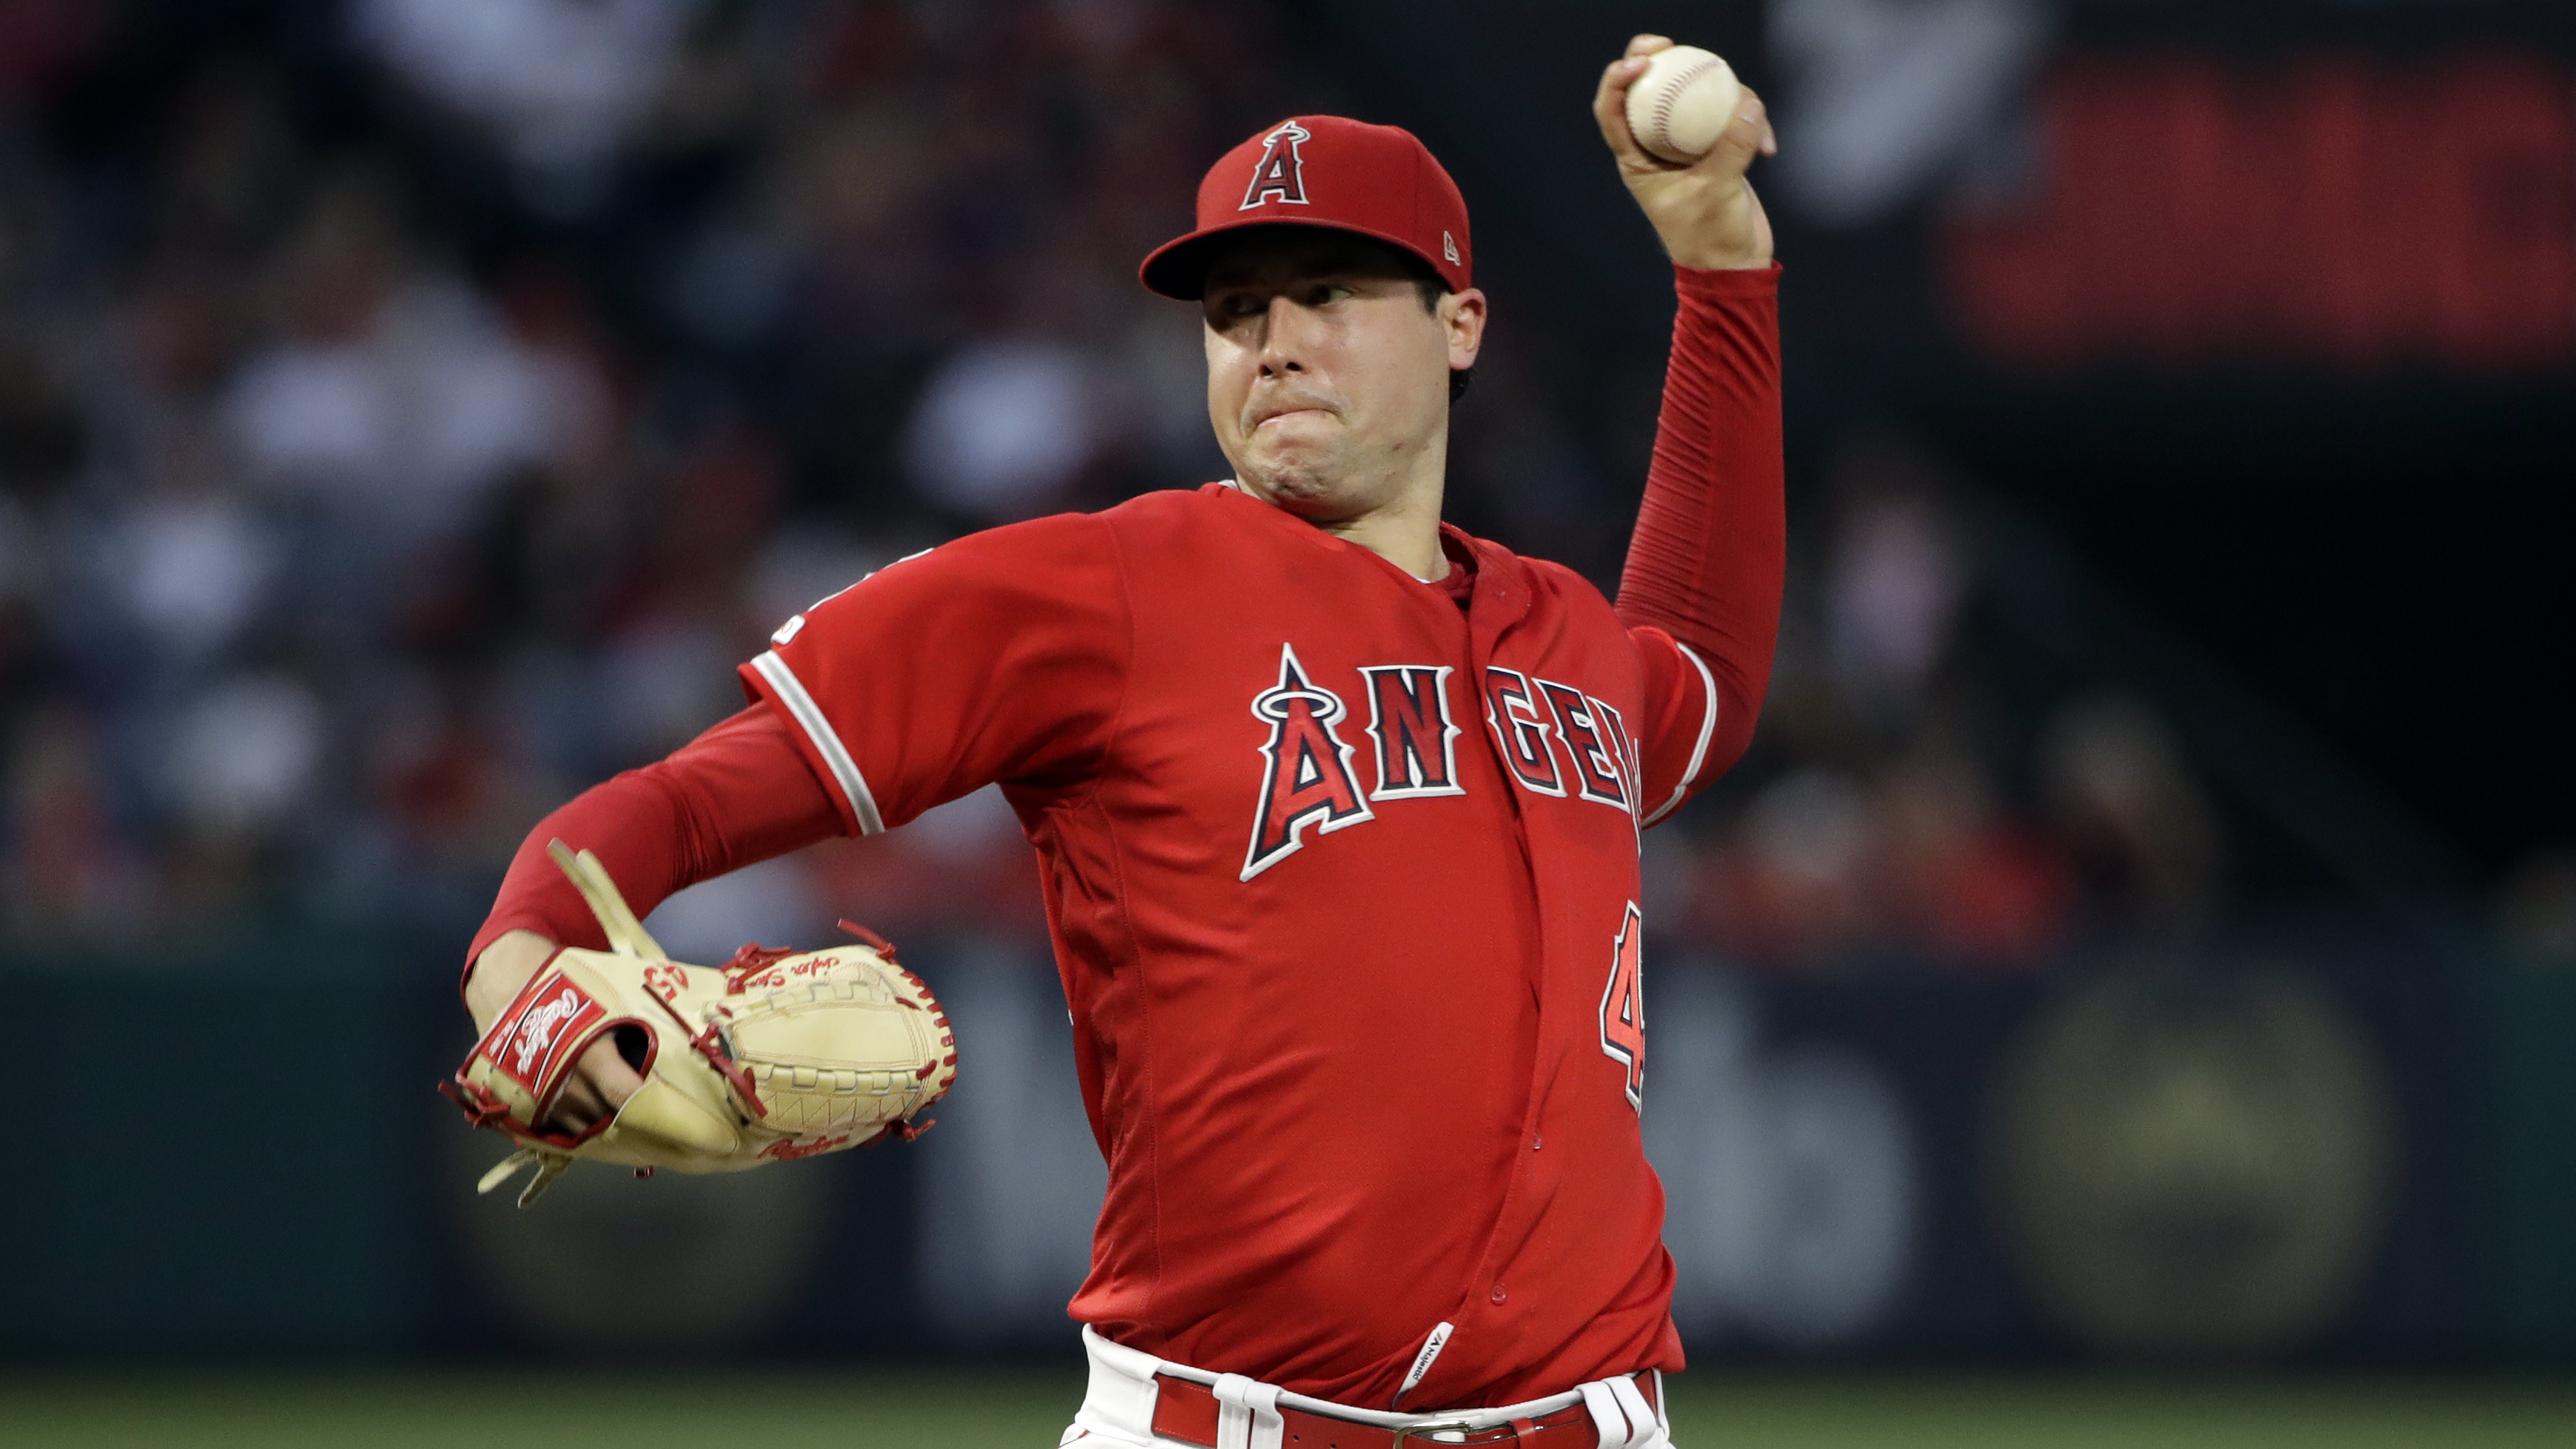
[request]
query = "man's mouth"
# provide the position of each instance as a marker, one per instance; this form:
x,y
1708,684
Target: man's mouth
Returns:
x,y
1275,415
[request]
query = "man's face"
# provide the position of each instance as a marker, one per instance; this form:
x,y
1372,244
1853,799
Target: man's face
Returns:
x,y
1328,379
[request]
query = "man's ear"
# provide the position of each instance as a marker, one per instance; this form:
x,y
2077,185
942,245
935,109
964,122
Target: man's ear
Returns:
x,y
1462,317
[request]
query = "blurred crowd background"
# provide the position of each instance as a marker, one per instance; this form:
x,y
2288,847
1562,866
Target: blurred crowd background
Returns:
x,y
416,409
411,410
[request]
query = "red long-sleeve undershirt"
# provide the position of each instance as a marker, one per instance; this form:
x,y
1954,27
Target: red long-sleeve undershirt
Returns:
x,y
1706,561
1704,566
734,796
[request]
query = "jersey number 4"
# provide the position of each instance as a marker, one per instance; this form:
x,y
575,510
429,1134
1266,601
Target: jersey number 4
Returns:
x,y
1623,1008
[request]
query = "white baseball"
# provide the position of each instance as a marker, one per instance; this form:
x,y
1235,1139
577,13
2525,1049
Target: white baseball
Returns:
x,y
1685,98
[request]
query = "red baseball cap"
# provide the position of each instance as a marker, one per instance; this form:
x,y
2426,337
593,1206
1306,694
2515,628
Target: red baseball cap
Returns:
x,y
1331,172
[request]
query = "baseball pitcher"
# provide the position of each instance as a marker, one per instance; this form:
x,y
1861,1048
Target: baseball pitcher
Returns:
x,y
1337,810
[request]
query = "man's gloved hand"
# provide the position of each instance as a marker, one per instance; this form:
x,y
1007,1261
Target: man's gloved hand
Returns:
x,y
773,1056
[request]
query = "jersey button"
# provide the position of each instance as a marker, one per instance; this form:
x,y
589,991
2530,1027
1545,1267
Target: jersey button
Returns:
x,y
1498,1295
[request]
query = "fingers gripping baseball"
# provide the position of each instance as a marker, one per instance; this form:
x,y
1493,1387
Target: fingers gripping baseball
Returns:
x,y
1705,212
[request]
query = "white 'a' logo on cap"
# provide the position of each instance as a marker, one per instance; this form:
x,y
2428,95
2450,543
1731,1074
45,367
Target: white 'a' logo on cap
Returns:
x,y
1281,174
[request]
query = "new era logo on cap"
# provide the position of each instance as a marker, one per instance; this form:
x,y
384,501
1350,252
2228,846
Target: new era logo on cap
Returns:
x,y
1325,171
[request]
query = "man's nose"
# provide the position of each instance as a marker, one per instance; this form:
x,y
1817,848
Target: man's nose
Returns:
x,y
1283,337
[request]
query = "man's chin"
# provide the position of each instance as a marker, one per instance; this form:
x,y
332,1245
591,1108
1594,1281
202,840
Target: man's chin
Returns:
x,y
1310,493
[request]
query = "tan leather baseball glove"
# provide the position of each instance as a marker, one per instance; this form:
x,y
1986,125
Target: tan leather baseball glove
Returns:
x,y
773,1056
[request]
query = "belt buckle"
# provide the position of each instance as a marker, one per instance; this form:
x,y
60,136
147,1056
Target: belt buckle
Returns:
x,y
1424,1432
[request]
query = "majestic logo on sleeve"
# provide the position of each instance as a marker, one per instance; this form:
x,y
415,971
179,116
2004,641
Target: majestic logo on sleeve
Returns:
x,y
1281,174
1417,751
1308,780
788,631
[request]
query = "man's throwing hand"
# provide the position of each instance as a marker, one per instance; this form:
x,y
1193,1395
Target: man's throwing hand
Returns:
x,y
1705,212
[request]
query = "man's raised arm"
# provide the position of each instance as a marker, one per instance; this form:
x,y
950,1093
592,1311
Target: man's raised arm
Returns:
x,y
1702,583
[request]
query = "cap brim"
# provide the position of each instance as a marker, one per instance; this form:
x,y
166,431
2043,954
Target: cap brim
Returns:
x,y
1178,268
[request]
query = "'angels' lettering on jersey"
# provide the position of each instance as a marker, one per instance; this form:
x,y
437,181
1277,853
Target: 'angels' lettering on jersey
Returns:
x,y
1630,757
1306,779
1417,752
1513,710
1546,732
1596,758
1538,720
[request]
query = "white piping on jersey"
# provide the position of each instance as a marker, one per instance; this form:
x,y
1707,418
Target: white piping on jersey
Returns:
x,y
845,771
1707,729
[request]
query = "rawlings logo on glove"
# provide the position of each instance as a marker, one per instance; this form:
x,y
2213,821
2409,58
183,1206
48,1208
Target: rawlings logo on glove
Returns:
x,y
537,1030
774,1056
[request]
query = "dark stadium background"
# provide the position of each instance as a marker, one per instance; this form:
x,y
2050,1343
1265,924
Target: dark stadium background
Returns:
x,y
2126,996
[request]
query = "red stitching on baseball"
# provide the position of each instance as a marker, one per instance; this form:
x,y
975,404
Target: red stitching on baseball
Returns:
x,y
1663,108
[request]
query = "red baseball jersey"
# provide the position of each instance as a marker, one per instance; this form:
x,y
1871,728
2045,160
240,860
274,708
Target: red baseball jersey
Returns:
x,y
1343,883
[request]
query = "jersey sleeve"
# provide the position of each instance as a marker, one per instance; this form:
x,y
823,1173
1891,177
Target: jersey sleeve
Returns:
x,y
1001,656
1678,737
738,794
1701,591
